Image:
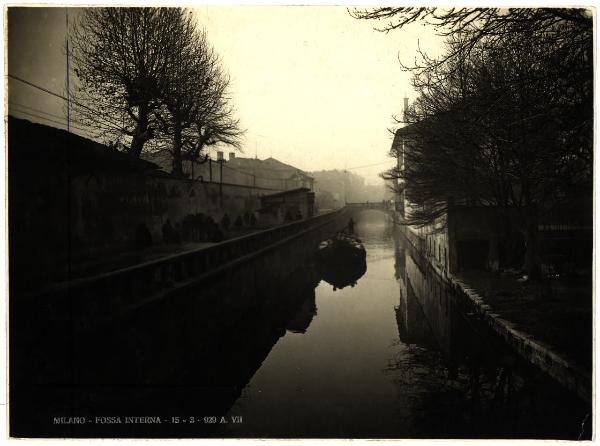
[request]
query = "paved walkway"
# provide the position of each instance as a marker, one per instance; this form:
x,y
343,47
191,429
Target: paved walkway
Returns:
x,y
105,263
111,262
558,313
550,324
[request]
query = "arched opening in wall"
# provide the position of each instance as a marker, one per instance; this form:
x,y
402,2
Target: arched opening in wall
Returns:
x,y
372,224
372,217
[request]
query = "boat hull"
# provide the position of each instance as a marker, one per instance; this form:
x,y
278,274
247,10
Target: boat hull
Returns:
x,y
341,261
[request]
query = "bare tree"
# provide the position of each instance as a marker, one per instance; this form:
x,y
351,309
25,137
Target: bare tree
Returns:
x,y
196,109
507,125
149,75
475,25
489,21
191,65
503,117
216,122
120,59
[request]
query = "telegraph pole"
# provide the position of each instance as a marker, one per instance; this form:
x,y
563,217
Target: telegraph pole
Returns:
x,y
68,72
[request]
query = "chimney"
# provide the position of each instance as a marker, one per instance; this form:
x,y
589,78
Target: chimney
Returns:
x,y
405,105
219,156
231,156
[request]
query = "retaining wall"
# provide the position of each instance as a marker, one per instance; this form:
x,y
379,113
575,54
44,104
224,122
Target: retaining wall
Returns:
x,y
574,378
165,304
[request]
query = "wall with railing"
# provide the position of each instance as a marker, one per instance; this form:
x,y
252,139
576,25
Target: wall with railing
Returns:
x,y
102,214
166,308
108,296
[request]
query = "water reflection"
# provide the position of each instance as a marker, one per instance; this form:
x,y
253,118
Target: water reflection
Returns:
x,y
392,357
165,364
469,384
303,316
342,273
395,357
330,381
341,260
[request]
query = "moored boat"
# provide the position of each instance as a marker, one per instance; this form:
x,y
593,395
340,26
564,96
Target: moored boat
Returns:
x,y
342,247
341,260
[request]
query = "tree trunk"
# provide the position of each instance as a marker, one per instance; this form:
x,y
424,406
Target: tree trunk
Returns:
x,y
140,135
177,169
137,144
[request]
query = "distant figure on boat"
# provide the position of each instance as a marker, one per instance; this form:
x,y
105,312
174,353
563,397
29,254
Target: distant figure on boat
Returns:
x,y
351,226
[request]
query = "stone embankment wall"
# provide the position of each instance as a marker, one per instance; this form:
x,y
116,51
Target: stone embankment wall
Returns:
x,y
465,237
107,209
72,199
165,308
571,376
54,223
434,302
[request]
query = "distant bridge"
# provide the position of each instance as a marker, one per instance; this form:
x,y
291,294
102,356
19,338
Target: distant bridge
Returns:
x,y
384,205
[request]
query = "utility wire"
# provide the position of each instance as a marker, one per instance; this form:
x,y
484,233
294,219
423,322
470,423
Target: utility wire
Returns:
x,y
16,104
14,107
119,127
368,165
48,119
96,112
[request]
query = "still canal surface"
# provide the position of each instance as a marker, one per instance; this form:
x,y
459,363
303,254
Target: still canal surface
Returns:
x,y
392,357
389,356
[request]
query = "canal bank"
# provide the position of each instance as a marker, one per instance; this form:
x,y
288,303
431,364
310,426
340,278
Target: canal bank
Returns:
x,y
152,323
391,356
395,356
569,373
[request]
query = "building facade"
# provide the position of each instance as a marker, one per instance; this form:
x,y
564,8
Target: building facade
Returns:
x,y
270,173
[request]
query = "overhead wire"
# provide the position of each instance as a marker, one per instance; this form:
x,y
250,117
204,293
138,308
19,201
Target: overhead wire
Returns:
x,y
117,126
368,165
49,120
37,110
97,113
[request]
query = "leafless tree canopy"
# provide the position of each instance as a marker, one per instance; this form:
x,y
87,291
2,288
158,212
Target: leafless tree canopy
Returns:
x,y
148,77
504,117
475,25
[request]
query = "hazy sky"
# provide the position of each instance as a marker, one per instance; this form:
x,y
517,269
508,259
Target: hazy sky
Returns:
x,y
314,87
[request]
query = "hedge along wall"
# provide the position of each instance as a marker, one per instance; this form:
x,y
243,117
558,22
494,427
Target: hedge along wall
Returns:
x,y
72,199
52,223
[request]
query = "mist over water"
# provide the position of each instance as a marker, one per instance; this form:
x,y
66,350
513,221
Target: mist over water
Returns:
x,y
332,379
371,365
391,356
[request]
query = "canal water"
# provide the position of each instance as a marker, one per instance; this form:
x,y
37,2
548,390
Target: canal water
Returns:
x,y
391,357
389,354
